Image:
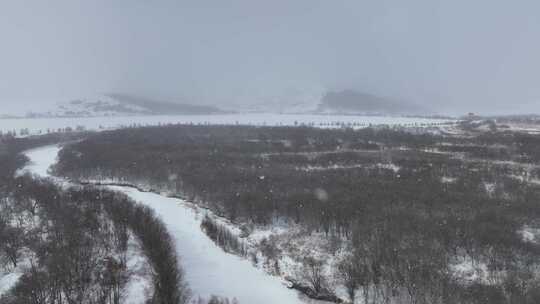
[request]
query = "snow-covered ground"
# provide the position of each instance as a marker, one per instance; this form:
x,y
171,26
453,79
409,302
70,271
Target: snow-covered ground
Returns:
x,y
209,270
40,160
101,105
467,270
531,128
529,234
139,286
44,125
392,167
9,279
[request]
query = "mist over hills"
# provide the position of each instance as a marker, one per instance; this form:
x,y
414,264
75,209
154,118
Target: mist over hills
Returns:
x,y
120,104
348,102
158,107
355,102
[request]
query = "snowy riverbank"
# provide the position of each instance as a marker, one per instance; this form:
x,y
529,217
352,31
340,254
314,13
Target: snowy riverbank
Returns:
x,y
209,270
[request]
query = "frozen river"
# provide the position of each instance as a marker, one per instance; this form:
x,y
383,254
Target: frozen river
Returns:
x,y
209,270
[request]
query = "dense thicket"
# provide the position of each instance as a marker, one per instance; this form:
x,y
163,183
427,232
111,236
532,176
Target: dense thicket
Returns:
x,y
74,242
78,256
410,205
222,236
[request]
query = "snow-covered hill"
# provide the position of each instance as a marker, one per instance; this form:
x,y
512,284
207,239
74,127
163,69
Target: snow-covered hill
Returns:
x,y
120,105
93,106
356,102
291,101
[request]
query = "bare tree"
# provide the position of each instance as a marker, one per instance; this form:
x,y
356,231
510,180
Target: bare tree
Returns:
x,y
312,272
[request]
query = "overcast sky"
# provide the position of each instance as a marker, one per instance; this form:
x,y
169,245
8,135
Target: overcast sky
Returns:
x,y
459,55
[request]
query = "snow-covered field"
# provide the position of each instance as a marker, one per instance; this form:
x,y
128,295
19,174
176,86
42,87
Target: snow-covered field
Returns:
x,y
209,270
43,125
40,160
9,279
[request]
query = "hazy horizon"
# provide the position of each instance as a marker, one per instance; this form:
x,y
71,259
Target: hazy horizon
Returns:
x,y
452,57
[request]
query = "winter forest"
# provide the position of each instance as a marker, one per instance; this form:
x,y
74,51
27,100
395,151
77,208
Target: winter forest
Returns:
x,y
269,152
373,215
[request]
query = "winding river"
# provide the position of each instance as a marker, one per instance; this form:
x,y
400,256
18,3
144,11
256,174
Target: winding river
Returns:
x,y
209,270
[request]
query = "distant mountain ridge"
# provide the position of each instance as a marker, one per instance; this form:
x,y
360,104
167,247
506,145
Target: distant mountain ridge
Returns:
x,y
158,107
346,102
117,104
354,102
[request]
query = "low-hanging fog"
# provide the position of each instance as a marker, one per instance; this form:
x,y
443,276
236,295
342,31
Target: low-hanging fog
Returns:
x,y
451,56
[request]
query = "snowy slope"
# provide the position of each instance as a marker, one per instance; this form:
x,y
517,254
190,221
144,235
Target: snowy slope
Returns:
x,y
357,102
116,104
99,105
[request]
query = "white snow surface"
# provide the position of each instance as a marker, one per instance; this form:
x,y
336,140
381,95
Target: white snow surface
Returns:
x,y
9,275
43,125
531,128
392,167
139,287
40,160
95,106
209,270
529,234
467,270
8,281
